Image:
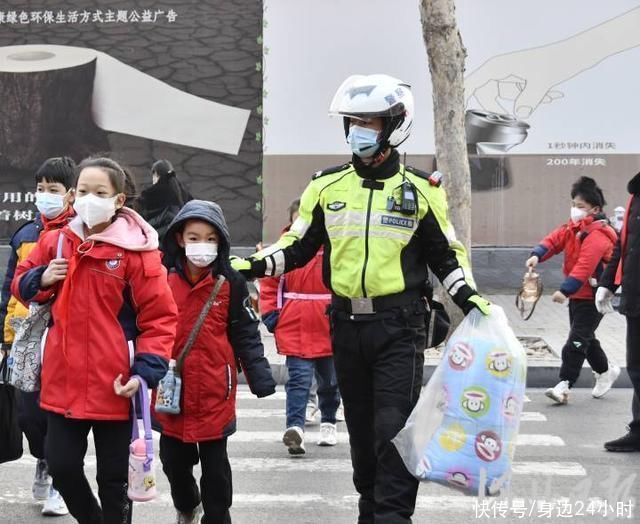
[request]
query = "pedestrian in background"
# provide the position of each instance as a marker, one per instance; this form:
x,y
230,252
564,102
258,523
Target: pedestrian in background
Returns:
x,y
112,316
54,180
587,241
160,202
294,308
624,270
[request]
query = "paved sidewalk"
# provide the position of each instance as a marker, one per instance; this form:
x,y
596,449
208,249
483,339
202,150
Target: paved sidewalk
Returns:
x,y
550,321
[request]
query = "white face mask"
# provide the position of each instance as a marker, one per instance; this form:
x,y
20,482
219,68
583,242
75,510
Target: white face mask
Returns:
x,y
201,254
577,214
94,210
49,204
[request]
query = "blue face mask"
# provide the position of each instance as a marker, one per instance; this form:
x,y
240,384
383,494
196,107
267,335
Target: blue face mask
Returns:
x,y
363,141
50,205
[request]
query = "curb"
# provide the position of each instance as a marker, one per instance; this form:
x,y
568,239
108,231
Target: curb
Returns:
x,y
538,376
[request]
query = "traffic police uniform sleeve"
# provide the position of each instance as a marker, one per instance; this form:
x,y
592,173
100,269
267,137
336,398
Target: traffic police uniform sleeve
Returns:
x,y
245,339
297,246
445,254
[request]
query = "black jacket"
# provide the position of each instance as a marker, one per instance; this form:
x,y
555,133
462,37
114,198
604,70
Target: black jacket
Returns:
x,y
159,204
630,297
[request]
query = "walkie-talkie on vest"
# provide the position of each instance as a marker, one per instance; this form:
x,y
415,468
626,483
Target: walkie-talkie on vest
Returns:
x,y
408,204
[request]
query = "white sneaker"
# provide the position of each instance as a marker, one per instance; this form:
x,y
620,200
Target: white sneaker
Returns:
x,y
190,518
340,413
312,416
54,506
560,393
41,481
604,381
327,434
293,438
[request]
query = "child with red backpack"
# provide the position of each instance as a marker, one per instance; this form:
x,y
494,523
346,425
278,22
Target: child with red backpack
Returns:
x,y
587,241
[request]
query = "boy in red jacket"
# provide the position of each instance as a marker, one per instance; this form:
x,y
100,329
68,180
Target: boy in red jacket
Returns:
x,y
295,308
196,248
587,241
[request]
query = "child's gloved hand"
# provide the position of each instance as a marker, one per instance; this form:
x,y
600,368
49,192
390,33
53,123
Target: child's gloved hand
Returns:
x,y
604,300
532,261
477,302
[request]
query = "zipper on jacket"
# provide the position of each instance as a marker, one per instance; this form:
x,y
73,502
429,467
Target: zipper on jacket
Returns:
x,y
229,383
366,243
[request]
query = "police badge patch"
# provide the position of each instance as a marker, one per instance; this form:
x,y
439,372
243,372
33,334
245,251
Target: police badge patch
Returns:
x,y
336,206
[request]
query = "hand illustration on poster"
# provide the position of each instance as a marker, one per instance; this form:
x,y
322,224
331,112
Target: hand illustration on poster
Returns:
x,y
518,83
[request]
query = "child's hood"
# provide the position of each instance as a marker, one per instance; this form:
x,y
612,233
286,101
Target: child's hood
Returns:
x,y
208,212
129,231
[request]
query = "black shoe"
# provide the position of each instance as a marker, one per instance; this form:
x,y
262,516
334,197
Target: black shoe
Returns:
x,y
630,442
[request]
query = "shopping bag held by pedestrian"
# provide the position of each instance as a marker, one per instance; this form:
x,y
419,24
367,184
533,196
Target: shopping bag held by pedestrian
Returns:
x,y
27,342
142,476
170,386
462,431
529,294
10,433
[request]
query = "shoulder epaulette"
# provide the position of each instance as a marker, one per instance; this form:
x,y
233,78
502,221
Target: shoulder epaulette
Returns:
x,y
330,171
434,179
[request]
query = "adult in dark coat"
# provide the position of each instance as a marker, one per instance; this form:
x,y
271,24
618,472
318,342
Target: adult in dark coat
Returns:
x,y
160,203
624,270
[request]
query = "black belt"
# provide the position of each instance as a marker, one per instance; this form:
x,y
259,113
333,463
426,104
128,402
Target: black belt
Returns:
x,y
370,306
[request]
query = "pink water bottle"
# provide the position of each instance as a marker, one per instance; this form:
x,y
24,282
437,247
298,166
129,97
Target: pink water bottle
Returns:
x,y
142,478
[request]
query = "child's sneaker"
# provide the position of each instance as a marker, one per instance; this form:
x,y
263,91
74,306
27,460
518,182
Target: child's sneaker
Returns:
x,y
604,381
327,434
54,506
293,438
560,393
41,481
192,517
312,416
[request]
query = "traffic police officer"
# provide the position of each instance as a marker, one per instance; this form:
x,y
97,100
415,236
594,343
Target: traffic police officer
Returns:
x,y
381,225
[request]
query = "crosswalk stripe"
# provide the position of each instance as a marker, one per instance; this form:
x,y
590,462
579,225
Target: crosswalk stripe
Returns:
x,y
328,465
435,503
343,437
527,416
524,439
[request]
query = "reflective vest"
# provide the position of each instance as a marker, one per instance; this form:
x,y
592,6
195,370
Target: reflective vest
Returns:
x,y
372,248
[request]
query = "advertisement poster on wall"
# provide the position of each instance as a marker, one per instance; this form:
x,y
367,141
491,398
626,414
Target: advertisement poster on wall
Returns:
x,y
137,81
551,92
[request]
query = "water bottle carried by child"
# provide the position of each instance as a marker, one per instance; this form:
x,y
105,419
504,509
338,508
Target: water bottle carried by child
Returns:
x,y
168,393
142,477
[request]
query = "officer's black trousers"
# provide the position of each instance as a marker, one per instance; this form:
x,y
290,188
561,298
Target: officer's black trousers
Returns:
x,y
379,366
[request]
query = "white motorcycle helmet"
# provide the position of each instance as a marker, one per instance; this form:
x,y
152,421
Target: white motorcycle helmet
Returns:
x,y
369,96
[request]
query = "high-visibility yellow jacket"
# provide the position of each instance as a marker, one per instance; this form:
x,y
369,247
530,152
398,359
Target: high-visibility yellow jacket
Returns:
x,y
372,249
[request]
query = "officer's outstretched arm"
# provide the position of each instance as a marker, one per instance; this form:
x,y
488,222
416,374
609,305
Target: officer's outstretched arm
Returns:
x,y
446,256
296,247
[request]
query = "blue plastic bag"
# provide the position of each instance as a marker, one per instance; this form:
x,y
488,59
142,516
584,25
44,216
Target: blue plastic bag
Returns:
x,y
462,432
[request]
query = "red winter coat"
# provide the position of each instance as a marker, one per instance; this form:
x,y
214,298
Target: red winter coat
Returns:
x,y
300,297
209,375
228,335
587,245
113,314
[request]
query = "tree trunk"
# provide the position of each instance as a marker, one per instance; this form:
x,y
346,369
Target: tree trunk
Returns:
x,y
46,114
446,63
